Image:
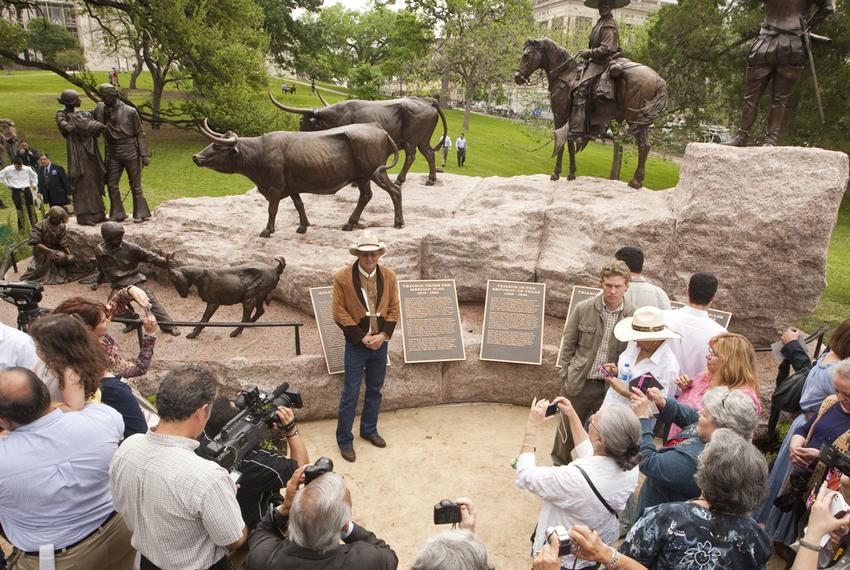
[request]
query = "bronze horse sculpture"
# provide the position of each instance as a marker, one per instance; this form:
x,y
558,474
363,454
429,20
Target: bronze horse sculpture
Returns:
x,y
640,97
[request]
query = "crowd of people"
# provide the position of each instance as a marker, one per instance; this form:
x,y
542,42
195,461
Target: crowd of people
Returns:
x,y
653,464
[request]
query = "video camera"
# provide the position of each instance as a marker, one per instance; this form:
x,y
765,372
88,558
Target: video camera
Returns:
x,y
832,458
249,427
25,295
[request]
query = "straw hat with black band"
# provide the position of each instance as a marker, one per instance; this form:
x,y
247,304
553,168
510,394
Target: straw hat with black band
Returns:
x,y
647,323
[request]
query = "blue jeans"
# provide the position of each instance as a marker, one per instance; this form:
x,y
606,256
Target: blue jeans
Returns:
x,y
359,359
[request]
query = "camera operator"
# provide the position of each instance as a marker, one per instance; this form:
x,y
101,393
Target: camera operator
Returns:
x,y
317,516
181,508
459,549
822,522
263,473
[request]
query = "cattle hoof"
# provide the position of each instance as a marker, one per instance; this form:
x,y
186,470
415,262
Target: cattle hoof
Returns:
x,y
555,177
192,335
347,227
430,182
301,230
265,233
399,225
571,176
400,180
234,334
635,183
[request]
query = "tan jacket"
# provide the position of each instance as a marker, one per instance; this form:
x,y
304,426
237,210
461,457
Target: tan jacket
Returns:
x,y
582,337
350,309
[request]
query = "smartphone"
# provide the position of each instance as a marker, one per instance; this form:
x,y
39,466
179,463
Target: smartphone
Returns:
x,y
605,372
551,410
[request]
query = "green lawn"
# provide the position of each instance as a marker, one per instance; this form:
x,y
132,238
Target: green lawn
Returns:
x,y
497,147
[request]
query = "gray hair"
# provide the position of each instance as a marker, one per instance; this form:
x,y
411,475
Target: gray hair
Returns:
x,y
184,390
732,473
457,549
319,511
842,368
731,409
620,431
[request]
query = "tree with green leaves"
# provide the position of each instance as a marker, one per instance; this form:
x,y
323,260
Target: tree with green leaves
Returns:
x,y
480,40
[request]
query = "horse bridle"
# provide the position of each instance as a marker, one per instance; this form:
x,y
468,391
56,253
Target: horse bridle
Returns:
x,y
527,80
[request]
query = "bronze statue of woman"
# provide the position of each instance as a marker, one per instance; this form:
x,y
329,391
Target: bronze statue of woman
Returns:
x,y
85,165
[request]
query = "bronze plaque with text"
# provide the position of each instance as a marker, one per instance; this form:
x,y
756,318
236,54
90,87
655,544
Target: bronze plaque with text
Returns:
x,y
430,321
333,341
578,295
513,322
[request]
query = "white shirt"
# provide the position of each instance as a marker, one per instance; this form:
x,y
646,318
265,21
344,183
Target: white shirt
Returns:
x,y
181,508
569,500
642,293
662,364
460,143
14,178
54,482
696,328
447,142
16,348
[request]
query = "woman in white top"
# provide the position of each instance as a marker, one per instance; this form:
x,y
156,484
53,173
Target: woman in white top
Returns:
x,y
606,455
647,352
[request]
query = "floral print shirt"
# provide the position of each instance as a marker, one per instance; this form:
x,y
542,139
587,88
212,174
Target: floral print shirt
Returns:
x,y
688,536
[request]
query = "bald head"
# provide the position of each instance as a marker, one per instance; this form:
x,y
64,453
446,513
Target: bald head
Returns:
x,y
23,397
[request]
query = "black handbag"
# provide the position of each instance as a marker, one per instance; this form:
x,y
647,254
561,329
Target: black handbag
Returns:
x,y
794,499
787,395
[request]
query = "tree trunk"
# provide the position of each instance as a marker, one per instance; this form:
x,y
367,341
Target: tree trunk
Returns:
x,y
444,90
617,162
137,70
469,93
156,98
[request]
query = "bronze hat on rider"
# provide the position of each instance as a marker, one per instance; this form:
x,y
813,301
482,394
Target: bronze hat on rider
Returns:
x,y
614,3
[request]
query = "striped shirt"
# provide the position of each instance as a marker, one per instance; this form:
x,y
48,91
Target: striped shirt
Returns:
x,y
181,509
609,319
54,487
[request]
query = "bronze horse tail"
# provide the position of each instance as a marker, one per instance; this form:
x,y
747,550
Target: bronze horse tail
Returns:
x,y
445,127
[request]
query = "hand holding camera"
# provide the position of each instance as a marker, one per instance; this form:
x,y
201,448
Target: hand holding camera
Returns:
x,y
547,558
830,513
291,488
588,545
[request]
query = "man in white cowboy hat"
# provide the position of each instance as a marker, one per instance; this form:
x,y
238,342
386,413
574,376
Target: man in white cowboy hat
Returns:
x,y
366,308
648,352
589,343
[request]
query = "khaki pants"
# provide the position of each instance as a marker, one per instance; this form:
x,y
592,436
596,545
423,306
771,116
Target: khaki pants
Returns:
x,y
107,548
585,404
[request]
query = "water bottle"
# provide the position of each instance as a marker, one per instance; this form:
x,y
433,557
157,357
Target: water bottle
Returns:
x,y
626,373
46,559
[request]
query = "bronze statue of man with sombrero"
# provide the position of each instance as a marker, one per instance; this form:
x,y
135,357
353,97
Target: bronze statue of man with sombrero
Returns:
x,y
604,46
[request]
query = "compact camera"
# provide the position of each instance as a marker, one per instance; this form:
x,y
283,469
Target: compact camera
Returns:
x,y
320,467
838,506
446,512
566,546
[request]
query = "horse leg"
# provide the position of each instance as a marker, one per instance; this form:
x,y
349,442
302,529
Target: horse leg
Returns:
x,y
302,213
641,134
365,196
409,157
571,149
208,313
381,179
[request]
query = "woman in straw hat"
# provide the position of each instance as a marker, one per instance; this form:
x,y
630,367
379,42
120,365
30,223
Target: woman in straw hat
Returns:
x,y
647,353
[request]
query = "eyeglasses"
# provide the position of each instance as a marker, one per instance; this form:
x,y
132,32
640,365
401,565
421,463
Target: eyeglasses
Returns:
x,y
712,353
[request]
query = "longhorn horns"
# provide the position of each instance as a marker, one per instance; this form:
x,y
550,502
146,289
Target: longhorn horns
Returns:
x,y
283,107
229,138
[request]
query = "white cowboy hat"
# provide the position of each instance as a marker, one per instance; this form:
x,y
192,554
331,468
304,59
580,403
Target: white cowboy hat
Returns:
x,y
646,324
367,243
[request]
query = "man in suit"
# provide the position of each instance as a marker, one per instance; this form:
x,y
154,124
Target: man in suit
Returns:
x,y
317,517
53,185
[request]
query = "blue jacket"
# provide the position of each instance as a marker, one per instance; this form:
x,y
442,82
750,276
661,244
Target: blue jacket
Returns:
x,y
670,471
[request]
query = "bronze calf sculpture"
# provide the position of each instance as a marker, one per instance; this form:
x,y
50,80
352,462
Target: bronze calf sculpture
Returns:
x,y
285,164
249,284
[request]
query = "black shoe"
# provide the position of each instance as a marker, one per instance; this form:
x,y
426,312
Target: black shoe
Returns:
x,y
375,440
348,455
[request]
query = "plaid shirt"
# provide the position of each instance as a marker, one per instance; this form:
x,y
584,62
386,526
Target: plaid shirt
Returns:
x,y
609,319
